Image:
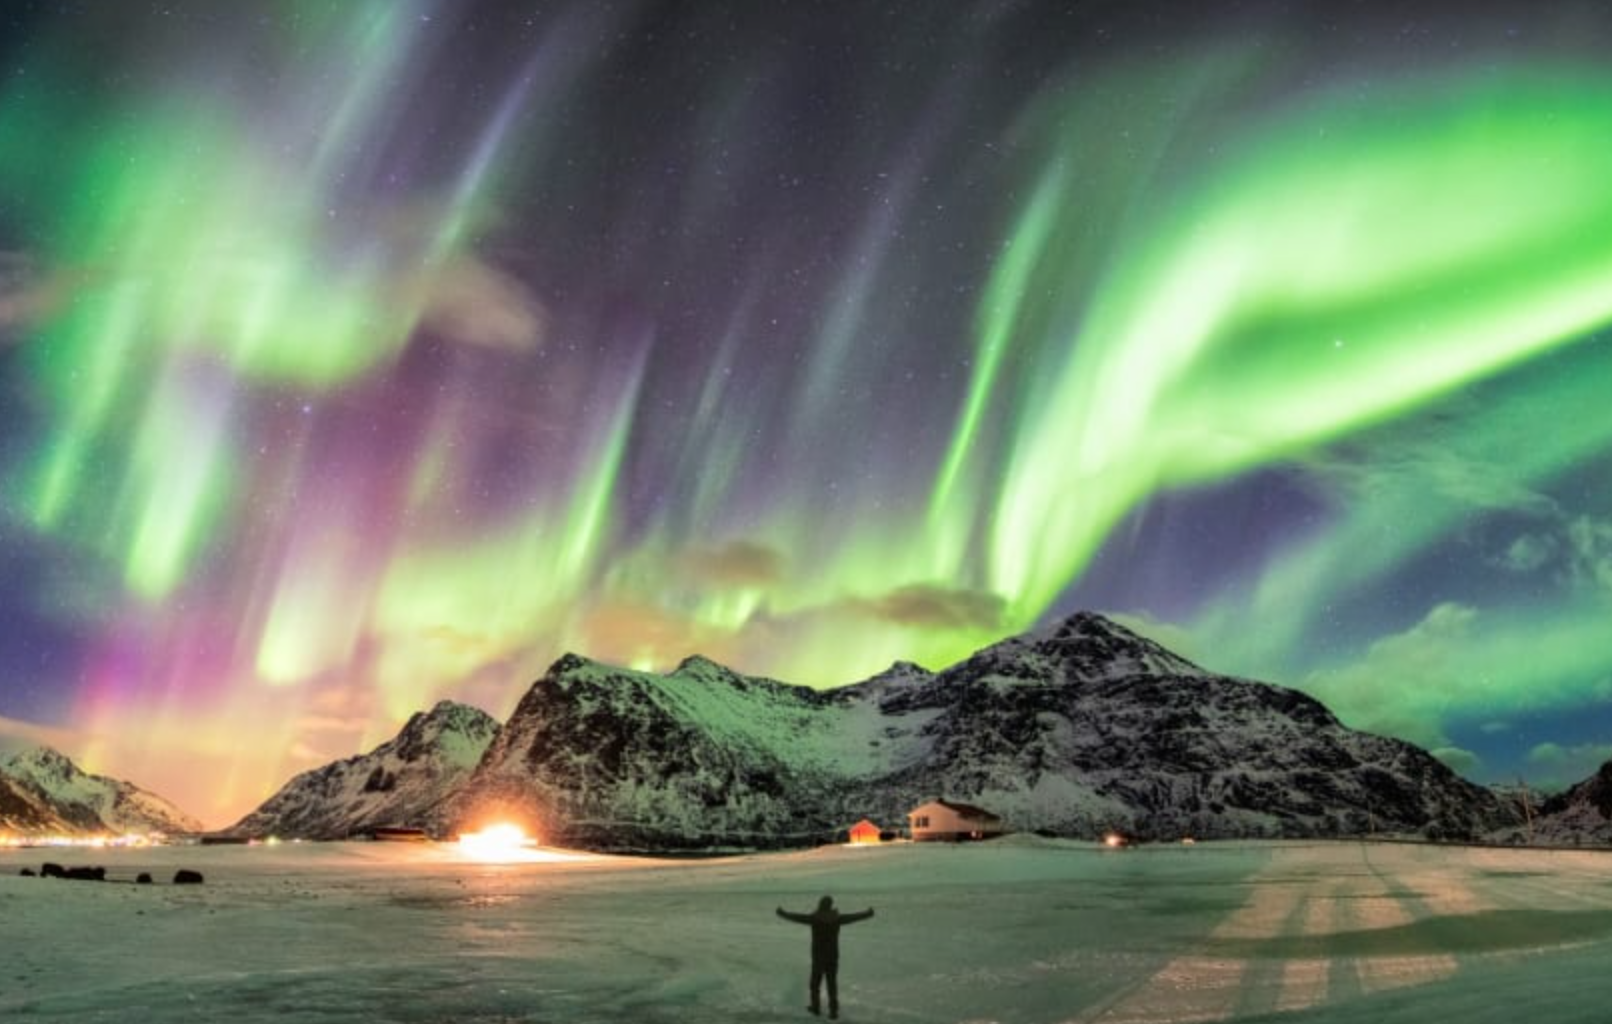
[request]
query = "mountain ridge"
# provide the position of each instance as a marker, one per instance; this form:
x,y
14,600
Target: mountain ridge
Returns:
x,y
1075,728
43,792
401,782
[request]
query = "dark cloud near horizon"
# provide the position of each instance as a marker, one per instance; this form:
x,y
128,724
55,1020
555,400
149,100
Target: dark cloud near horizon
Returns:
x,y
739,563
931,606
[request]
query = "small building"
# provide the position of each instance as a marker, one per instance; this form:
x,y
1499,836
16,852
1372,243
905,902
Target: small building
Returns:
x,y
864,831
948,821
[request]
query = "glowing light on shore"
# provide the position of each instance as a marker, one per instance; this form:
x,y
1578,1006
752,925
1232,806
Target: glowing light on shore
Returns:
x,y
500,842
92,841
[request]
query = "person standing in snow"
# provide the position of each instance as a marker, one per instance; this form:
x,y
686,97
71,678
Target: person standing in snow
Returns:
x,y
825,922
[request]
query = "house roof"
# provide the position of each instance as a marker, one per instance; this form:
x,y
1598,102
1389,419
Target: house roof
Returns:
x,y
965,810
864,825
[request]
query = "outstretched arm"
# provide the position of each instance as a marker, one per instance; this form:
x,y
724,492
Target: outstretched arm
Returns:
x,y
797,918
854,918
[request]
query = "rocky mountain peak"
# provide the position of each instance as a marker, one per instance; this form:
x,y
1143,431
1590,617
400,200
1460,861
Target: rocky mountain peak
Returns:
x,y
44,761
60,796
1092,645
700,665
446,728
903,670
570,662
450,715
901,680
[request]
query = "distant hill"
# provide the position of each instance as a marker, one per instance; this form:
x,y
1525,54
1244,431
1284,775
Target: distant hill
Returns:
x,y
1578,816
42,792
404,781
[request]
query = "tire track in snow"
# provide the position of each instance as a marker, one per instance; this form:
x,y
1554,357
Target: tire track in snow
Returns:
x,y
1198,988
1332,895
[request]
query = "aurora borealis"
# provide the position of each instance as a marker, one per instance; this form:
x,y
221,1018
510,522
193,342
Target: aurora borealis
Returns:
x,y
360,354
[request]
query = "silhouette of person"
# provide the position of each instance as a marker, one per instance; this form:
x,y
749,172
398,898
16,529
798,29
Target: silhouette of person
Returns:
x,y
825,922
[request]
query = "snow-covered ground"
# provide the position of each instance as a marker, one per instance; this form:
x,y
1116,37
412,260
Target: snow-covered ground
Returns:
x,y
1018,930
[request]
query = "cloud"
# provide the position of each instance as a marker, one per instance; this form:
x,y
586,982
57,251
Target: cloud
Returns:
x,y
26,293
1405,680
639,634
474,302
1554,766
1577,550
929,606
465,298
1420,459
17,735
1182,641
312,755
1460,664
1590,541
1529,552
1461,762
739,563
464,644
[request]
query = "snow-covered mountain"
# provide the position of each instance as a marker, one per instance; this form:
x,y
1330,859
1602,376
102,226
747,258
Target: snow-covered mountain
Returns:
x,y
43,792
1579,815
595,755
404,781
1075,729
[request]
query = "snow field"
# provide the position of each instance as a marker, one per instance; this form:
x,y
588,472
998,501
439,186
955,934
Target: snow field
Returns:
x,y
1012,932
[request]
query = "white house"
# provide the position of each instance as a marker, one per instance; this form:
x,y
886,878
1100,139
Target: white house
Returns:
x,y
950,821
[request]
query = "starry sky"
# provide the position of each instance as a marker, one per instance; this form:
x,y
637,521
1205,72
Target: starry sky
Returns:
x,y
355,355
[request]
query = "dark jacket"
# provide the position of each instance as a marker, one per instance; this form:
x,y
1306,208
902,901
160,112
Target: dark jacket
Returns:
x,y
825,930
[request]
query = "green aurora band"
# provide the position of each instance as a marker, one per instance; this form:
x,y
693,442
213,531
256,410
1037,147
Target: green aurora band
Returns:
x,y
194,236
1346,267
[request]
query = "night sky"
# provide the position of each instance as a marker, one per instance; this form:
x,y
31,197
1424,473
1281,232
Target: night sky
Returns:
x,y
355,355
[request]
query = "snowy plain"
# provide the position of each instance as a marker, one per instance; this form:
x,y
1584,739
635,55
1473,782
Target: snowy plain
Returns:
x,y
1018,930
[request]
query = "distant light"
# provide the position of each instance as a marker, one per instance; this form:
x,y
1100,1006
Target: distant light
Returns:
x,y
1113,840
92,841
495,842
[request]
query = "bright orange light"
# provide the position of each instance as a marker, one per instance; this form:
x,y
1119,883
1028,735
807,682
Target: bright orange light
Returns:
x,y
495,842
1113,840
92,841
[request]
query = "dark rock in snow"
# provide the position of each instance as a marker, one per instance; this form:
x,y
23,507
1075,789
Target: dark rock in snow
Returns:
x,y
185,876
86,874
51,869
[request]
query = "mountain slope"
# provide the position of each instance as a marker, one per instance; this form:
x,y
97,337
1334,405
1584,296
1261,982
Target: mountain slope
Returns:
x,y
1077,728
1579,815
597,755
41,792
1086,726
404,781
